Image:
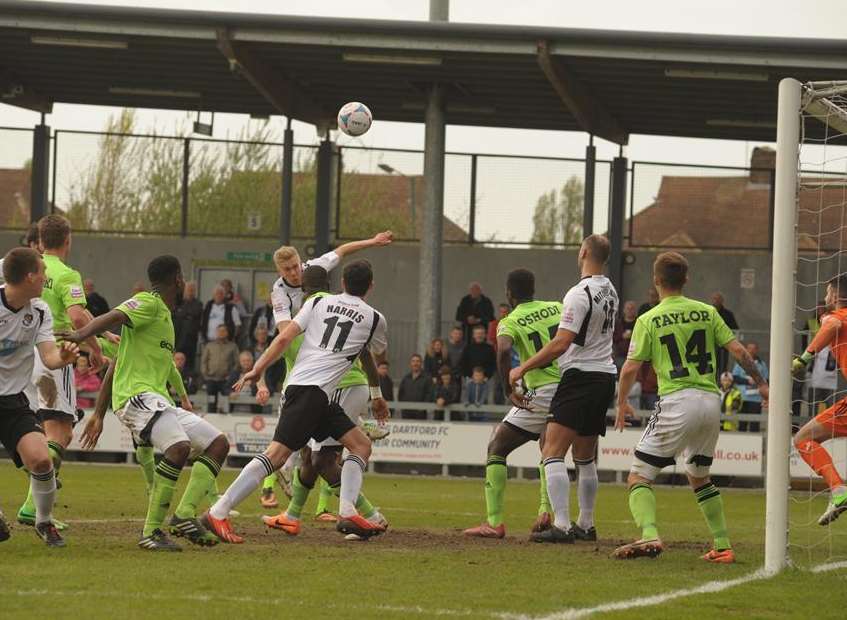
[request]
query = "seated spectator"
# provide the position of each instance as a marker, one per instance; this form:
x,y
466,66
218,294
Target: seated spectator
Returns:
x,y
219,312
476,392
652,301
85,381
219,359
731,401
416,386
752,400
94,301
502,312
386,385
260,339
623,333
455,348
478,353
447,392
245,365
474,309
435,358
189,378
263,315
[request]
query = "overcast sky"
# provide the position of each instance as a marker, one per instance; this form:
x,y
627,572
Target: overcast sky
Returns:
x,y
811,18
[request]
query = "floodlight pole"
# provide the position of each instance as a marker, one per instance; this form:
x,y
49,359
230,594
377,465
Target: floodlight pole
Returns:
x,y
287,180
432,234
588,188
782,323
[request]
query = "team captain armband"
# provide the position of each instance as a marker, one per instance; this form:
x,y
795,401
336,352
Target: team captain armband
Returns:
x,y
376,392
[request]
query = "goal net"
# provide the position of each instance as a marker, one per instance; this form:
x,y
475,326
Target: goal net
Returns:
x,y
810,248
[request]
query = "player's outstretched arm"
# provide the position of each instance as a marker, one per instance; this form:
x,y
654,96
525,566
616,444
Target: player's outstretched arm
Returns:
x,y
378,240
504,367
80,317
103,323
627,379
94,425
746,361
369,365
826,334
274,350
552,350
55,356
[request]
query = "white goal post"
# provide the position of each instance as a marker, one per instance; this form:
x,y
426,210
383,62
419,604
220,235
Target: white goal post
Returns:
x,y
822,102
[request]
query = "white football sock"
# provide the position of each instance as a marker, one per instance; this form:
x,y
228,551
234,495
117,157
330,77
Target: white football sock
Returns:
x,y
43,495
558,489
352,472
248,480
587,493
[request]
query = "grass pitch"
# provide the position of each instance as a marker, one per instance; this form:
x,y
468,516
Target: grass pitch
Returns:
x,y
422,567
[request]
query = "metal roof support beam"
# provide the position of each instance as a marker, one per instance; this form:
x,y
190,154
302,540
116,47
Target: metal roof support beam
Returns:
x,y
13,91
588,112
279,91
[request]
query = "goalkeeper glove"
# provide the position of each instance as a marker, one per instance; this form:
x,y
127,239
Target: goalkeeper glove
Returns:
x,y
798,366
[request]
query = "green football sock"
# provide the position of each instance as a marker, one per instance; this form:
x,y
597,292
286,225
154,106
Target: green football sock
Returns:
x,y
203,474
269,482
642,505
299,495
164,482
57,454
323,498
145,457
544,506
496,475
711,505
363,505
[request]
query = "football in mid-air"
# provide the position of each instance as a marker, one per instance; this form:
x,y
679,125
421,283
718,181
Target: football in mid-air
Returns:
x,y
354,118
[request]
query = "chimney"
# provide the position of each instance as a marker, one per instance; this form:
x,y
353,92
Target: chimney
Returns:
x,y
762,163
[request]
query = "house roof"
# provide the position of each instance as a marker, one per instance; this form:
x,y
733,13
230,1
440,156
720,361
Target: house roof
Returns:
x,y
676,84
721,212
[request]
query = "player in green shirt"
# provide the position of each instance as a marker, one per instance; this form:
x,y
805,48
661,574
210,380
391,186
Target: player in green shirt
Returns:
x,y
56,393
527,328
141,401
321,460
679,337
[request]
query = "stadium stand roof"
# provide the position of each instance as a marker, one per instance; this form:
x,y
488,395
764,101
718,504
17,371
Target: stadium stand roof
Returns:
x,y
611,83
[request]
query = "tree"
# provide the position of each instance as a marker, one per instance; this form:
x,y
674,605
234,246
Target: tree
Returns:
x,y
558,215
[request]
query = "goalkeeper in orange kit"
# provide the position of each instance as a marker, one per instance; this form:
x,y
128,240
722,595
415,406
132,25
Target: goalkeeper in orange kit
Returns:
x,y
832,422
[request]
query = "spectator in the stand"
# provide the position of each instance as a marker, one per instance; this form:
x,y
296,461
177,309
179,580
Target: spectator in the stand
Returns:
x,y
94,301
731,401
216,313
416,386
220,358
752,400
263,315
474,309
248,390
649,387
435,358
85,381
623,332
652,301
455,348
502,311
726,314
447,391
386,384
187,318
189,378
479,353
722,355
477,392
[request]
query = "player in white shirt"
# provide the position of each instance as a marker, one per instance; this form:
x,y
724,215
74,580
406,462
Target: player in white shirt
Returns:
x,y
583,346
287,297
26,325
337,329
